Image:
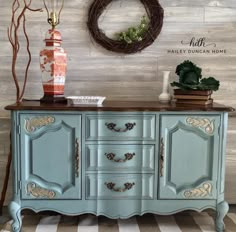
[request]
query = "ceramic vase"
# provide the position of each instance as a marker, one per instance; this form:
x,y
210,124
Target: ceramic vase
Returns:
x,y
53,63
165,97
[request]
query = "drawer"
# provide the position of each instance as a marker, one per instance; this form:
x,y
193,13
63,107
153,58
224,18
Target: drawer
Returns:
x,y
120,157
120,127
110,186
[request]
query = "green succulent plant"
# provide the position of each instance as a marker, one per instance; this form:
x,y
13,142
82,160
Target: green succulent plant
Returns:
x,y
190,77
134,34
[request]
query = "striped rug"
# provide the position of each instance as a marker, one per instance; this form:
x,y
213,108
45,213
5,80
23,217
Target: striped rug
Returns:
x,y
181,222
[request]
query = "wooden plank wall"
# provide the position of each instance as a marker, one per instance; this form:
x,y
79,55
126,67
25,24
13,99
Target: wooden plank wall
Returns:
x,y
94,71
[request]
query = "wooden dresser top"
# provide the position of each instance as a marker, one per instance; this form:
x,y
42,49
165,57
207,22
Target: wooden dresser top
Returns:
x,y
118,106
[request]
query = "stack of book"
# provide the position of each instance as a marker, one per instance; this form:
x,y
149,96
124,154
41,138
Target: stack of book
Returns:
x,y
193,97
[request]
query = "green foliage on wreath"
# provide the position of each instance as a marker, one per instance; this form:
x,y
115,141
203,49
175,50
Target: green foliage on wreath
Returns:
x,y
190,78
134,34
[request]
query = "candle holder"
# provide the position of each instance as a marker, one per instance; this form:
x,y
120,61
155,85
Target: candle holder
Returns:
x,y
165,97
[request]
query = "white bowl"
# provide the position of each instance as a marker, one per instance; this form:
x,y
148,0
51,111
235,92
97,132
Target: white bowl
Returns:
x,y
88,100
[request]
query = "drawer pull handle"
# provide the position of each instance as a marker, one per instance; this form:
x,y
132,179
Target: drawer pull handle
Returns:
x,y
128,126
161,157
111,156
76,158
111,186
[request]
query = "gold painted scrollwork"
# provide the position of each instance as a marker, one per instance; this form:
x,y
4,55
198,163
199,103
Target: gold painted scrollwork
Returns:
x,y
203,123
203,191
39,192
33,124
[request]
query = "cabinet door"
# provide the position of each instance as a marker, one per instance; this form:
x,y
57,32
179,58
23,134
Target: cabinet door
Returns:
x,y
189,147
49,154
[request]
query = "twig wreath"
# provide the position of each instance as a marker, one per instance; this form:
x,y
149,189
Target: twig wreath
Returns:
x,y
155,14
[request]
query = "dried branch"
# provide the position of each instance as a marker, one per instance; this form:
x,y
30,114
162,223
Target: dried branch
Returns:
x,y
18,18
29,60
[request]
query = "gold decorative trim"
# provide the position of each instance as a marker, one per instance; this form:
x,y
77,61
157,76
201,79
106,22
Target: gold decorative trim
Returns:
x,y
203,191
77,157
39,192
33,124
161,157
203,123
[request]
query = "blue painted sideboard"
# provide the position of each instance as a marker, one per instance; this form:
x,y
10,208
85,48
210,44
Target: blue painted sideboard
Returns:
x,y
118,160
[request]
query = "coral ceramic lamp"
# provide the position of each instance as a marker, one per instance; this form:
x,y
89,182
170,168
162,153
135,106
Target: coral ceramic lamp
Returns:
x,y
53,58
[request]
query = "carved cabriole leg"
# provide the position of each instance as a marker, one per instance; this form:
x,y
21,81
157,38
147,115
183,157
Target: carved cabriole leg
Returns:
x,y
222,210
15,212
